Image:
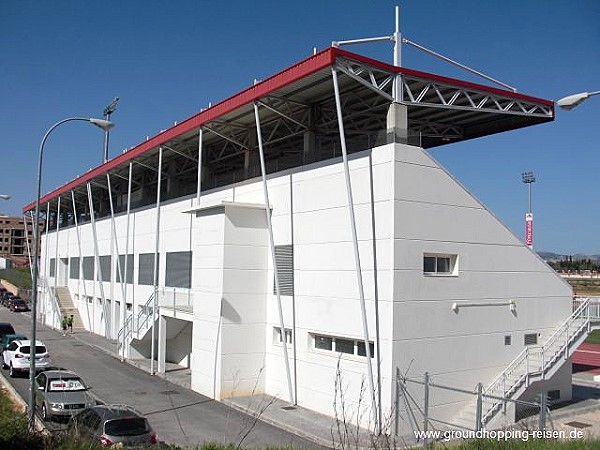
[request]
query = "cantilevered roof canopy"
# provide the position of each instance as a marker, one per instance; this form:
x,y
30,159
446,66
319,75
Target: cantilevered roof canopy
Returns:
x,y
299,104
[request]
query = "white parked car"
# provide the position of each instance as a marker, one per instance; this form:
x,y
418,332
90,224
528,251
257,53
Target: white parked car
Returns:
x,y
17,354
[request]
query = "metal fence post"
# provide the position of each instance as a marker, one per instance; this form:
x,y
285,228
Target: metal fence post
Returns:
x,y
543,406
504,393
479,409
426,409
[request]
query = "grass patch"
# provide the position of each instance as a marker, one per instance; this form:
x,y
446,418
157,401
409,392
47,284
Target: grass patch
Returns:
x,y
20,277
594,337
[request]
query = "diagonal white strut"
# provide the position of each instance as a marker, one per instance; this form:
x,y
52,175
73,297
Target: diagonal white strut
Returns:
x,y
272,245
361,290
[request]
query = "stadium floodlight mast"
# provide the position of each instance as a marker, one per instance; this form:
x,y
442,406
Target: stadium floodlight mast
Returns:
x,y
105,125
110,108
571,101
528,178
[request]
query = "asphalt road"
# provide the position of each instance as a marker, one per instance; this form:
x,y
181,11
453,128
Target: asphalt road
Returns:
x,y
179,416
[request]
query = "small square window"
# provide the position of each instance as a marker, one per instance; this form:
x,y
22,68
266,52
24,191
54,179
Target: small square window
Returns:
x,y
440,264
323,342
531,339
277,336
507,340
554,395
344,346
361,351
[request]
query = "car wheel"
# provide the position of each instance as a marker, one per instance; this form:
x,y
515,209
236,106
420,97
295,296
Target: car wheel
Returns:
x,y
11,371
44,413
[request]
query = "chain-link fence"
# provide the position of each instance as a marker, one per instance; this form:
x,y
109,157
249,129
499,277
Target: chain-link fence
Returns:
x,y
427,411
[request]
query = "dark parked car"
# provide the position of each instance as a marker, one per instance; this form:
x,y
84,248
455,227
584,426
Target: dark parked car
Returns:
x,y
6,328
19,305
8,338
112,424
61,394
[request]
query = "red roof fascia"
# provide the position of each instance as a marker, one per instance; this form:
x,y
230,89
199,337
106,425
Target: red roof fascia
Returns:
x,y
300,70
297,71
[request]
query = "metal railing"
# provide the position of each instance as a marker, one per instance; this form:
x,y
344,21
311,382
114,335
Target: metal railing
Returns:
x,y
133,327
537,361
52,301
176,299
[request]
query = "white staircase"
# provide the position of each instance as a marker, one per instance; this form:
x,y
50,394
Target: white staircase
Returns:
x,y
136,326
535,363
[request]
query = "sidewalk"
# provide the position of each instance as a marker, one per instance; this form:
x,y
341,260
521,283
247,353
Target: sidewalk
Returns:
x,y
300,421
583,411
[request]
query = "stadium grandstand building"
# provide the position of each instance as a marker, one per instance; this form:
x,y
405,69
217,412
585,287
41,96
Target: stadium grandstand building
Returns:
x,y
298,234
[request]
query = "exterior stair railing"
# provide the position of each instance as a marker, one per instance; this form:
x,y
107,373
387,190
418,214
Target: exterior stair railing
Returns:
x,y
55,318
132,329
536,362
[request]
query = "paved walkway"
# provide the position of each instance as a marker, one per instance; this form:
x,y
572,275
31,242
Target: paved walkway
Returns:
x,y
581,415
295,419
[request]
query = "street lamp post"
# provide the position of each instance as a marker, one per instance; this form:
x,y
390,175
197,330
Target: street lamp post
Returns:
x,y
574,100
105,125
528,178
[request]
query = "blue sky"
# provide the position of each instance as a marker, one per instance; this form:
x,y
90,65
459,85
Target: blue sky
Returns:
x,y
167,60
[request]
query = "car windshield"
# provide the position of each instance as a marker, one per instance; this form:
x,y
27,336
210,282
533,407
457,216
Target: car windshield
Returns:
x,y
66,384
126,426
39,349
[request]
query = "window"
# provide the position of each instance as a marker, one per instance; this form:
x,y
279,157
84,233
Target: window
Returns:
x,y
343,345
88,267
179,270
146,269
74,268
531,339
277,336
440,265
360,348
323,342
126,269
284,260
507,340
52,270
105,268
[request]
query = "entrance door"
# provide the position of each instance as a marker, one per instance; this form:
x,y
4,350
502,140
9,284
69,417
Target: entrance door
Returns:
x,y
63,272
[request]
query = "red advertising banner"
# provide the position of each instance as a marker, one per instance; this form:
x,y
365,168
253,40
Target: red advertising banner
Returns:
x,y
529,230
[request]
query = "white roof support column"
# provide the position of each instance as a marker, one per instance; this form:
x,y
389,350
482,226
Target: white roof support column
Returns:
x,y
199,185
81,280
123,346
97,258
116,248
272,245
56,258
361,290
27,240
156,254
46,263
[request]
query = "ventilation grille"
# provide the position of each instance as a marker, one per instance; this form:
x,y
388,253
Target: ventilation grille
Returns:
x,y
284,261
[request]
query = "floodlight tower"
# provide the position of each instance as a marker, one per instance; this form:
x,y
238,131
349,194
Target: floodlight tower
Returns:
x,y
110,108
528,178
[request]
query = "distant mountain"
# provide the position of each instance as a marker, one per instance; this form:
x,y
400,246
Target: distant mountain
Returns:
x,y
550,256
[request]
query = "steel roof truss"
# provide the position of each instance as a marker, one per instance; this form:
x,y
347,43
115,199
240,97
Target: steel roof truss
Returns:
x,y
446,96
358,71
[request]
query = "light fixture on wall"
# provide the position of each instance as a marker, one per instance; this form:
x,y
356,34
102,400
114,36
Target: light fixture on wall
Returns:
x,y
511,304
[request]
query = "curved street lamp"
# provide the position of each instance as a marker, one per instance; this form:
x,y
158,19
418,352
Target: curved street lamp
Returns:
x,y
4,197
574,100
105,125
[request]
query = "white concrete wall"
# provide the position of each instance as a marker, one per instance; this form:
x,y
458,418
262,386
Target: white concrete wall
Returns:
x,y
406,205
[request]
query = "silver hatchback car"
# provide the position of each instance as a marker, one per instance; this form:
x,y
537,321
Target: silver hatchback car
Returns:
x,y
61,394
109,425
